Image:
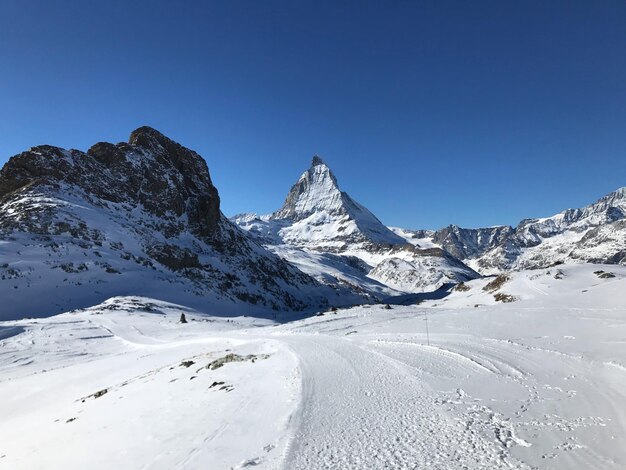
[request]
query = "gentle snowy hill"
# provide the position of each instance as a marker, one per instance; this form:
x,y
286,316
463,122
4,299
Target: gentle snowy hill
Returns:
x,y
463,382
136,218
420,268
548,287
317,217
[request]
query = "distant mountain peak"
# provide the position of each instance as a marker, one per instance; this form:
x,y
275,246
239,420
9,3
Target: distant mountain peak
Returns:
x,y
616,196
316,194
316,190
317,160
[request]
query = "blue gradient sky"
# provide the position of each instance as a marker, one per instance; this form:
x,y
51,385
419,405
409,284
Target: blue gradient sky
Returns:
x,y
429,113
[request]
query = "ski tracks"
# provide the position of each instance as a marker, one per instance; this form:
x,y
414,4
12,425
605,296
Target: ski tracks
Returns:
x,y
363,409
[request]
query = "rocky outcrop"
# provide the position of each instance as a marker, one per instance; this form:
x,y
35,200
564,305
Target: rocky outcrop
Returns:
x,y
141,217
595,233
463,243
166,179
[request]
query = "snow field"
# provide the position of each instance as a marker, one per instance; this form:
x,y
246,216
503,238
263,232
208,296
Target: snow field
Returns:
x,y
536,383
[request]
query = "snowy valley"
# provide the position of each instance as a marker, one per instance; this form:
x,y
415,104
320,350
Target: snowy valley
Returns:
x,y
462,382
142,328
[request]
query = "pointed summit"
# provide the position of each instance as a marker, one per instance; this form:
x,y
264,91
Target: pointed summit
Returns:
x,y
316,190
317,160
149,137
316,201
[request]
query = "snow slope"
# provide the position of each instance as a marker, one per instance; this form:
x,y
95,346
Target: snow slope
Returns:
x,y
536,383
161,407
317,217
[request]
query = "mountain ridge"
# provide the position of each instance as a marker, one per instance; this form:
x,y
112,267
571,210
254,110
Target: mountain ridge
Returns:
x,y
317,192
593,233
317,217
140,218
143,218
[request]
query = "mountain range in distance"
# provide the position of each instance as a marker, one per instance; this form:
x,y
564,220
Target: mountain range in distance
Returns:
x,y
143,218
319,218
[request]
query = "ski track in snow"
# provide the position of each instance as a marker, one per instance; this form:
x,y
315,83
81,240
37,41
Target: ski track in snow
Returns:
x,y
363,409
539,383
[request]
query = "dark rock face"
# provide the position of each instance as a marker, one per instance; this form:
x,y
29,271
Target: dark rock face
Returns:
x,y
152,170
196,194
463,243
317,160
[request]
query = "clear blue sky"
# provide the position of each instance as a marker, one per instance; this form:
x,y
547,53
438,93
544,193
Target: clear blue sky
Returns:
x,y
429,113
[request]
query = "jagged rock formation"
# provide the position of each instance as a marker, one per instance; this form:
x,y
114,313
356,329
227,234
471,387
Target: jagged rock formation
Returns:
x,y
318,211
318,219
464,243
143,218
595,233
140,218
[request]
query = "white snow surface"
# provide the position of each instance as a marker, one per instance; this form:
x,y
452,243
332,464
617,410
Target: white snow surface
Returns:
x,y
462,382
420,239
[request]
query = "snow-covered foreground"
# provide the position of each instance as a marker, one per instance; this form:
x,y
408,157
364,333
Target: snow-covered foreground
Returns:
x,y
536,383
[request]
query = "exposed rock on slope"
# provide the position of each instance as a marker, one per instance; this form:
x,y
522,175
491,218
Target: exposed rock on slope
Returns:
x,y
320,213
317,217
595,233
139,218
464,243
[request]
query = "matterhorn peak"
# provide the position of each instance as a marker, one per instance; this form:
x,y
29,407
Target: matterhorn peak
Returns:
x,y
317,198
315,191
320,176
317,160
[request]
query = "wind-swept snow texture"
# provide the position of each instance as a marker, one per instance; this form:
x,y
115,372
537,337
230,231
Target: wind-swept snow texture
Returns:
x,y
539,382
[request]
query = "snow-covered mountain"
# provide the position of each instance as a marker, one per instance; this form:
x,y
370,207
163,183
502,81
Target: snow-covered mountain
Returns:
x,y
525,370
319,214
143,218
595,233
465,243
138,218
323,231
